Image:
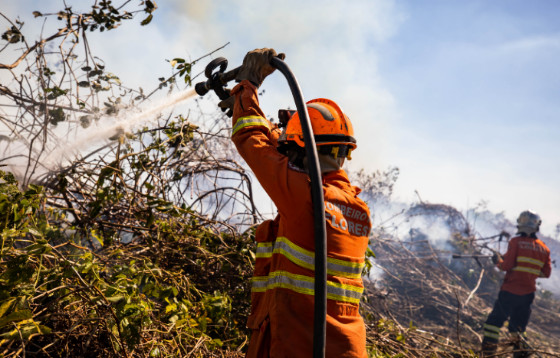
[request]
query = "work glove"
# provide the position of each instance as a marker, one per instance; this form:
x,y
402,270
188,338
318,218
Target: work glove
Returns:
x,y
227,104
496,258
256,65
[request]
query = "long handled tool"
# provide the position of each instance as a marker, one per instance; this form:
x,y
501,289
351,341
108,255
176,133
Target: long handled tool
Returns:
x,y
461,256
476,257
217,80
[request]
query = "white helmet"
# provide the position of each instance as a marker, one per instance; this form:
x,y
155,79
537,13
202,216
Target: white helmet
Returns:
x,y
528,222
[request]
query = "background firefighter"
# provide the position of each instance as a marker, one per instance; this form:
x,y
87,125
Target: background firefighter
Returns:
x,y
282,291
526,259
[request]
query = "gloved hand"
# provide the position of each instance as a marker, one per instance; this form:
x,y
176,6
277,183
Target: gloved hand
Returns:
x,y
227,104
256,65
496,258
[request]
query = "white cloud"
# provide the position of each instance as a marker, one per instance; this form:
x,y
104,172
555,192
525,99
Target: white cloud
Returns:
x,y
531,44
330,47
448,114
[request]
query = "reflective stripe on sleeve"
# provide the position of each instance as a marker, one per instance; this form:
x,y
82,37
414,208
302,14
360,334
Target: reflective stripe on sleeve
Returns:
x,y
264,249
306,259
249,121
530,260
305,285
527,269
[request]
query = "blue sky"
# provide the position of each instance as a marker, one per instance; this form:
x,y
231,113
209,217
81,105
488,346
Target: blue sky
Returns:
x,y
462,96
476,85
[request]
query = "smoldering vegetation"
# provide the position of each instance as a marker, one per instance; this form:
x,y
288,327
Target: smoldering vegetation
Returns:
x,y
143,245
434,282
136,242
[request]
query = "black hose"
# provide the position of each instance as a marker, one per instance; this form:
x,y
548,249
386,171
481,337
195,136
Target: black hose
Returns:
x,y
319,224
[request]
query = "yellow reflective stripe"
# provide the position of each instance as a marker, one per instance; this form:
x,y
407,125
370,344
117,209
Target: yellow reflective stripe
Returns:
x,y
352,269
306,259
305,285
530,260
527,269
490,327
491,331
283,279
264,249
491,335
248,121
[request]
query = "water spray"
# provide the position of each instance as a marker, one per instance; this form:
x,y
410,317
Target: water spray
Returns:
x,y
113,131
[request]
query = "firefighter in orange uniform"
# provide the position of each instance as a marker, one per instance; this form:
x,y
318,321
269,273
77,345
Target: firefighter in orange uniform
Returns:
x,y
281,319
526,259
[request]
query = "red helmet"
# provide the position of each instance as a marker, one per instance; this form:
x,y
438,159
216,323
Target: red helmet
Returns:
x,y
331,127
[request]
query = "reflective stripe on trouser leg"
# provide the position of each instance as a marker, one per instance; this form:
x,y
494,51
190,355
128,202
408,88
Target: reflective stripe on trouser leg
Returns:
x,y
491,333
496,318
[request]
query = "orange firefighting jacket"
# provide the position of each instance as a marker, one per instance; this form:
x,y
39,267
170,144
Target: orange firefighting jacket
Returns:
x,y
526,260
283,281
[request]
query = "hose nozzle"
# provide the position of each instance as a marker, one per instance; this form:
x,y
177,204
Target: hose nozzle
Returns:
x,y
201,88
217,80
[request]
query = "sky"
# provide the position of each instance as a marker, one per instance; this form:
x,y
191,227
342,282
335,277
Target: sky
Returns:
x,y
461,96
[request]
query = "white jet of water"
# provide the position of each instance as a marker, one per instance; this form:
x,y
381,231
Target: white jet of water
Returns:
x,y
110,126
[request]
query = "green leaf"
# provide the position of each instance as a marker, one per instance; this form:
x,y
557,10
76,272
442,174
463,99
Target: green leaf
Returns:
x,y
97,237
39,247
155,352
6,305
56,115
177,60
34,232
85,121
15,316
147,20
170,308
26,331
34,189
150,5
115,299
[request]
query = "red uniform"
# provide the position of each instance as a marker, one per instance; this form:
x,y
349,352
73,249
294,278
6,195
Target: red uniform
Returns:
x,y
283,283
525,260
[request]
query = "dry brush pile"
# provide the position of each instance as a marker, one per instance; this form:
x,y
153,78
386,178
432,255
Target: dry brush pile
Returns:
x,y
435,305
141,247
114,259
